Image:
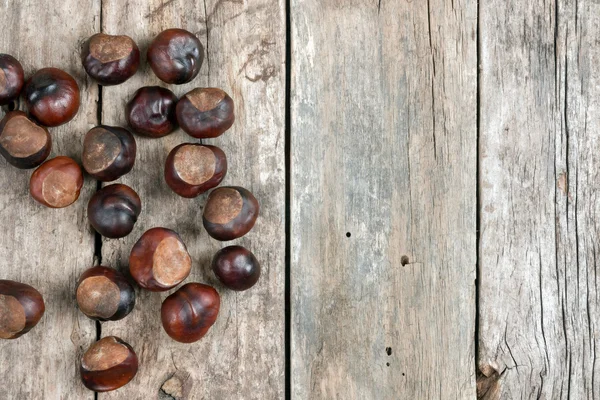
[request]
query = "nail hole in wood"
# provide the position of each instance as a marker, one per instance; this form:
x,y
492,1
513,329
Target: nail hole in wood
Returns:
x,y
388,350
348,234
404,260
403,374
388,364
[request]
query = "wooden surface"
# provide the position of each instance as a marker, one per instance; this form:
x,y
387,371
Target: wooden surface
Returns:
x,y
440,213
42,247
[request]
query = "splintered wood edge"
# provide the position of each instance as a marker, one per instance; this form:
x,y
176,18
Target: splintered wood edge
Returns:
x,y
59,189
12,316
22,138
105,354
171,263
108,48
223,205
98,296
194,164
100,149
206,99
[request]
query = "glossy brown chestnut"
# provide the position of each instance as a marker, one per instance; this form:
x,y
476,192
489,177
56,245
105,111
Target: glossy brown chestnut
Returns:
x,y
151,111
113,210
110,59
192,169
189,313
236,267
108,152
12,79
23,143
108,364
104,294
205,113
52,96
159,260
57,182
230,212
175,56
21,308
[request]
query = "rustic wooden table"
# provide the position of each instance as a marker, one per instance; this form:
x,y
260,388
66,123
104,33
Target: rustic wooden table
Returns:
x,y
426,171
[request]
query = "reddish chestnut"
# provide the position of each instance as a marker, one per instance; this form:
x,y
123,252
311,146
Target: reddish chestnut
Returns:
x,y
52,96
108,152
151,111
12,79
236,267
175,56
159,260
192,169
104,294
230,213
189,313
205,113
110,59
57,182
23,143
108,364
113,210
21,308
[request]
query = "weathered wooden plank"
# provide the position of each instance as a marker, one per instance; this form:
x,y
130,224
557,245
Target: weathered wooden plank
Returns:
x,y
47,248
539,171
243,354
384,140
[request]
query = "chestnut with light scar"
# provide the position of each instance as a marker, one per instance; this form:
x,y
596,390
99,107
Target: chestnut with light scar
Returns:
x,y
57,182
230,213
110,59
21,308
108,152
23,143
108,364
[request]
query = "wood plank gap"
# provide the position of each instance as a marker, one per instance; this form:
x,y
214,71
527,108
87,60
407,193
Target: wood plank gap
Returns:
x,y
288,195
479,375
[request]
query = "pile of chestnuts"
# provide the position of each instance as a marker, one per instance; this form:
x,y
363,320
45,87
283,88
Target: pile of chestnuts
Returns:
x,y
159,260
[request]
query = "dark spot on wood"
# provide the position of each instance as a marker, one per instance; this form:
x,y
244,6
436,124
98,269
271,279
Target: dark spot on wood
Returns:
x,y
404,260
348,234
387,364
388,350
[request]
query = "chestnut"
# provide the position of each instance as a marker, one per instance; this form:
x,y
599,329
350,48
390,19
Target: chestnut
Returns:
x,y
151,111
159,260
52,96
57,182
23,143
192,169
104,294
230,212
188,313
175,56
108,364
108,152
110,59
113,210
12,79
236,267
205,113
21,308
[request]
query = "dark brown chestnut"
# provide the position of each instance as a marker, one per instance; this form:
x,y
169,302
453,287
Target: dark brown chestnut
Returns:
x,y
108,364
205,113
113,210
21,308
230,212
12,79
23,143
175,56
104,294
57,182
108,152
159,260
151,111
192,169
52,96
236,267
189,313
110,59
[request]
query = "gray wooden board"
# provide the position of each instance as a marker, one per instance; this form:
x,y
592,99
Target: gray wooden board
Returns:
x,y
42,247
384,143
539,209
243,354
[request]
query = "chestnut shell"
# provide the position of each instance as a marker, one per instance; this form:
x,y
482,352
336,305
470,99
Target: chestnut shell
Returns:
x,y
230,212
192,169
236,267
108,364
57,182
205,113
151,111
188,313
175,56
110,59
21,308
52,96
23,143
108,152
113,210
12,79
103,294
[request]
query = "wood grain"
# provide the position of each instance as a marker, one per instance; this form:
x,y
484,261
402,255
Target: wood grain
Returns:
x,y
243,355
539,183
383,184
43,247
